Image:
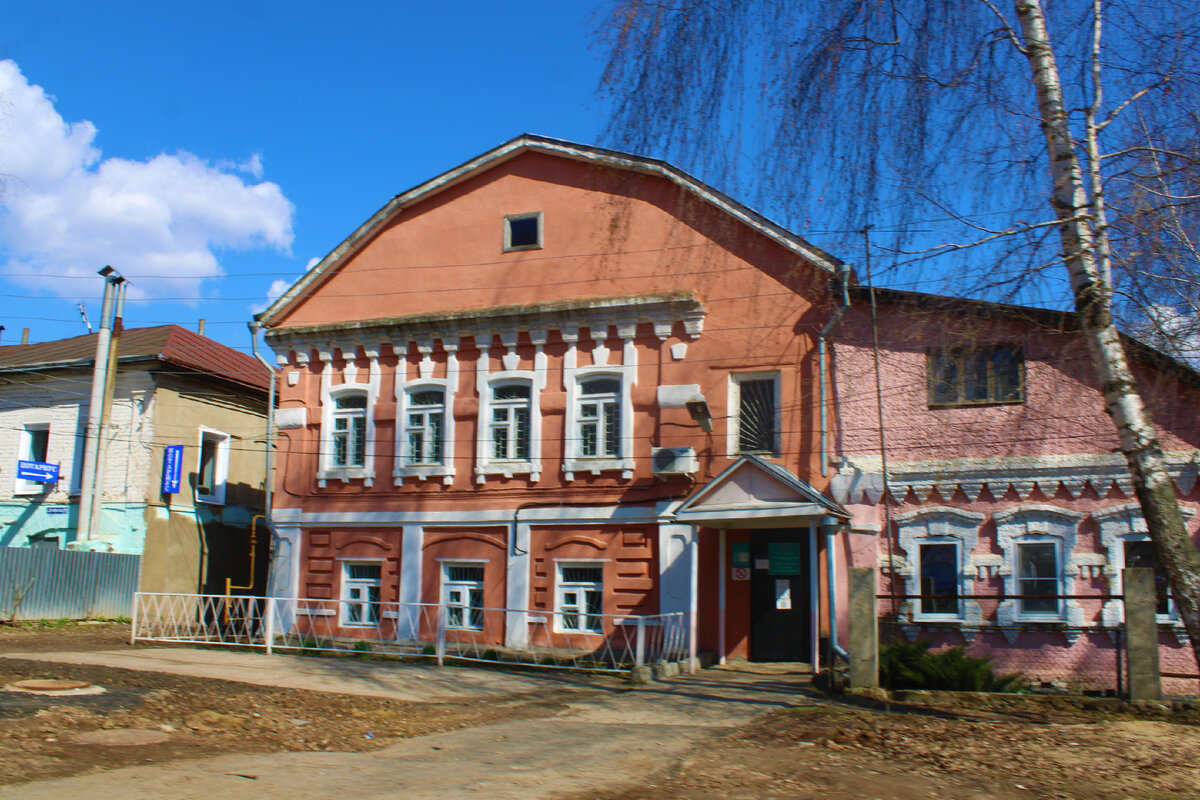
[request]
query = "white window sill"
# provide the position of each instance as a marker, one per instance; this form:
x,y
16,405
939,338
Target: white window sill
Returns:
x,y
345,475
508,469
595,466
423,472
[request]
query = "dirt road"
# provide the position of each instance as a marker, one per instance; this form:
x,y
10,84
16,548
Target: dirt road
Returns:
x,y
421,732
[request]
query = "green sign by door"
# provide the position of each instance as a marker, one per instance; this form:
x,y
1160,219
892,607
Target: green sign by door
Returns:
x,y
784,558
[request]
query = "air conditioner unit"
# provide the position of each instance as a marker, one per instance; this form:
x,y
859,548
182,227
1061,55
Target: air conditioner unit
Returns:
x,y
673,461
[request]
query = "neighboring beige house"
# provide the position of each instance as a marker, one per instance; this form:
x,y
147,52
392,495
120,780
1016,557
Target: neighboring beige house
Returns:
x,y
173,387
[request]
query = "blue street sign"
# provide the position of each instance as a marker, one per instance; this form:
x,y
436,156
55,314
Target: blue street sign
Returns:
x,y
37,471
172,468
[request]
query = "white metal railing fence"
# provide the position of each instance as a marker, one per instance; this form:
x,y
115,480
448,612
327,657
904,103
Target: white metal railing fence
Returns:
x,y
551,639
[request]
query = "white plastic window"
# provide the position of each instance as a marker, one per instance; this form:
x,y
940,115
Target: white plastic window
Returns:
x,y
424,427
360,595
508,429
600,418
34,445
462,594
580,598
212,467
349,436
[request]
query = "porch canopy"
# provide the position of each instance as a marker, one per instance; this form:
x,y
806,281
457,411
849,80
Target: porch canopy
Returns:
x,y
754,493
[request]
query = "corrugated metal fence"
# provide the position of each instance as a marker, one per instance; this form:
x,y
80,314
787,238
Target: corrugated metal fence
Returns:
x,y
44,583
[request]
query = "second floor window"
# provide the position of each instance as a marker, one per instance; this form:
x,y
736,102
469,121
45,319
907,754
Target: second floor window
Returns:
x,y
757,407
350,430
423,427
976,376
600,418
509,430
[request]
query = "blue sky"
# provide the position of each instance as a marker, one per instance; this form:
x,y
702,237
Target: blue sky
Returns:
x,y
210,150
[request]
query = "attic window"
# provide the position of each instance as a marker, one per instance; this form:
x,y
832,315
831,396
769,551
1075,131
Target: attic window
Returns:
x,y
523,231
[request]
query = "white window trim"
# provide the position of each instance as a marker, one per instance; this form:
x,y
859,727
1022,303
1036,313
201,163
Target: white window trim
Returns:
x,y
559,564
485,381
507,233
344,592
734,426
574,376
939,525
447,584
1038,523
220,468
423,380
329,393
21,486
1119,524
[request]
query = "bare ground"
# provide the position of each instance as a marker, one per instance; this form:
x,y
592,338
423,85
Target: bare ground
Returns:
x,y
827,748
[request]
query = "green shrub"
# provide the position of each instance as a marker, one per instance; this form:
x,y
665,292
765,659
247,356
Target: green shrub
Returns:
x,y
913,666
362,646
429,650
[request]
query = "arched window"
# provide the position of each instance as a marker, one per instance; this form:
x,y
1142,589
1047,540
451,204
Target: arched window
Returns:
x,y
349,436
509,430
424,427
600,418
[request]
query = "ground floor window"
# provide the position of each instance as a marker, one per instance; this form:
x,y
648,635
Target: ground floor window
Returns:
x,y
462,594
1143,554
579,598
360,594
939,572
1037,578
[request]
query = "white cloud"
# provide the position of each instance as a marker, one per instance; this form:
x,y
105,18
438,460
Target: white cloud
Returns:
x,y
66,210
278,287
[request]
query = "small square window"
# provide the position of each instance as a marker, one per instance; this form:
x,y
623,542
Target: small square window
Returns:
x,y
523,231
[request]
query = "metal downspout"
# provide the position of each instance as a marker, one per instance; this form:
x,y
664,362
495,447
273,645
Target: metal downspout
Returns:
x,y
269,447
831,580
844,277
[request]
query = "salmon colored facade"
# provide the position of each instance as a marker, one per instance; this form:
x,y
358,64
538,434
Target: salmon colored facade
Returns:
x,y
559,383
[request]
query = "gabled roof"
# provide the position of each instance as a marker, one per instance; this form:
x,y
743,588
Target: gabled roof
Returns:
x,y
556,147
755,493
170,344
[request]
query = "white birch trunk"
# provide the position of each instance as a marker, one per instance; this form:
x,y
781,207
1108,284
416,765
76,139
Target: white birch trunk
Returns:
x,y
1082,240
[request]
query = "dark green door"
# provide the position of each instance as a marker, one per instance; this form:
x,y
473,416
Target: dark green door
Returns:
x,y
780,613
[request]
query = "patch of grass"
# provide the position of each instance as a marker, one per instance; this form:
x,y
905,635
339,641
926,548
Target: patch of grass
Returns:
x,y
913,666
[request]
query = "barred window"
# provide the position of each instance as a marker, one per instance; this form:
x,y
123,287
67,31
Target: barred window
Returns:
x,y
580,598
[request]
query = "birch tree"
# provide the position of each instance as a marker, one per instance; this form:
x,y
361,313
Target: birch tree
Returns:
x,y
962,115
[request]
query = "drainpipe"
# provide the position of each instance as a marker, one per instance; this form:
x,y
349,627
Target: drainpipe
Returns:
x,y
87,488
844,278
270,444
829,526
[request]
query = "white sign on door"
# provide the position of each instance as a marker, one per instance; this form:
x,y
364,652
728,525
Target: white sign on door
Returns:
x,y
783,594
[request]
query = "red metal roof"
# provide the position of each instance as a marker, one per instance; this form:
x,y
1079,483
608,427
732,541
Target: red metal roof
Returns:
x,y
171,344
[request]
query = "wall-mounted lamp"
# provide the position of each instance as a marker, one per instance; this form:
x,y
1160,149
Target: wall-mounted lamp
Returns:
x,y
698,408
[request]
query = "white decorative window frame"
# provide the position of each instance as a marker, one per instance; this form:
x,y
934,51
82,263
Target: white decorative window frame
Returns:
x,y
941,525
22,487
326,470
220,468
574,375
485,381
1039,523
423,379
1118,525
733,432
559,565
